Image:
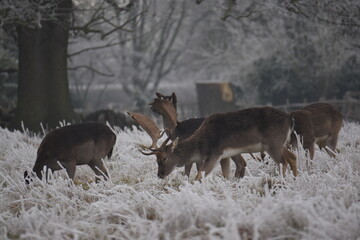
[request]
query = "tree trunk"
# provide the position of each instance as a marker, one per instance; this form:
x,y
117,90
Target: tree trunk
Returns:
x,y
43,88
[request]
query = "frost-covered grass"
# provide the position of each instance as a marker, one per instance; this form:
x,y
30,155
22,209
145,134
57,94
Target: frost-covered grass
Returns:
x,y
321,203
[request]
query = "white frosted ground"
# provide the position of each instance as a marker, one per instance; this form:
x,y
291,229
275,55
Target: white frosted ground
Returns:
x,y
323,203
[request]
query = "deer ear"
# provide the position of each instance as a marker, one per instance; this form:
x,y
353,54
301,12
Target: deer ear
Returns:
x,y
173,96
174,144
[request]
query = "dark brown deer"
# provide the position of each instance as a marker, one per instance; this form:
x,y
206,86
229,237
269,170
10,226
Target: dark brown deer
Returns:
x,y
166,107
318,123
78,144
224,135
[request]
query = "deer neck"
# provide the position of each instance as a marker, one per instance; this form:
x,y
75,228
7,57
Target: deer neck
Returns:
x,y
187,152
170,119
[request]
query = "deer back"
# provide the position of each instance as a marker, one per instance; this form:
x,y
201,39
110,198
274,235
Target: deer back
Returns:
x,y
325,118
318,120
186,128
244,127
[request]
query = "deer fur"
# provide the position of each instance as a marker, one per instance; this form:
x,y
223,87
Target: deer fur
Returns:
x,y
78,144
318,123
224,135
166,107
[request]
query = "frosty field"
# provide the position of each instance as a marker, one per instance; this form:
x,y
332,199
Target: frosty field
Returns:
x,y
321,203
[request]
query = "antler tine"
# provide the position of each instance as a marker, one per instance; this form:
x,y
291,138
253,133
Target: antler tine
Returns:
x,y
165,142
148,125
167,131
149,153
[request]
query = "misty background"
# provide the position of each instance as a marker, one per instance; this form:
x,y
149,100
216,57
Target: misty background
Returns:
x,y
272,52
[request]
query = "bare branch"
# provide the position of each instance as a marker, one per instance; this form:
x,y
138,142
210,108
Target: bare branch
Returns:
x,y
91,69
97,47
123,25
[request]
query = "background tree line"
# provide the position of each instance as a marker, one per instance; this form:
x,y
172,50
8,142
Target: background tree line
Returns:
x,y
272,50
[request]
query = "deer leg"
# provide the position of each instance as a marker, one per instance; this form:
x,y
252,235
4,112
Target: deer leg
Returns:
x,y
310,147
331,143
225,167
240,164
198,165
262,155
291,159
99,168
207,166
322,144
312,151
188,169
260,159
276,153
70,169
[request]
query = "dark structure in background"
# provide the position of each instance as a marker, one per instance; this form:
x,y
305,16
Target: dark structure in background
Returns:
x,y
215,97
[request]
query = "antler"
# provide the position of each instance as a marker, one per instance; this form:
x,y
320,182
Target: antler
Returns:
x,y
153,151
162,147
149,126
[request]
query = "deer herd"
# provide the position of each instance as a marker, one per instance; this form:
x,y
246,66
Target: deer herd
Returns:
x,y
203,141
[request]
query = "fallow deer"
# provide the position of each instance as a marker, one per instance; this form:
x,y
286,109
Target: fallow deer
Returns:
x,y
78,144
318,123
224,135
166,107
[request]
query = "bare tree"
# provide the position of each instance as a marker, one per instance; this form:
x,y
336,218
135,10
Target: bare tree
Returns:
x,y
155,47
43,33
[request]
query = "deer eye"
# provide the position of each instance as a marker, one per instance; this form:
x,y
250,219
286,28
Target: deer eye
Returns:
x,y
164,159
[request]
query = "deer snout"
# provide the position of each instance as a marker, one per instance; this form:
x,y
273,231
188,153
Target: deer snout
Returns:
x,y
161,174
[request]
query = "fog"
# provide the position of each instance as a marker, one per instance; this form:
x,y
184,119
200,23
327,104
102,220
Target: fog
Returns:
x,y
273,52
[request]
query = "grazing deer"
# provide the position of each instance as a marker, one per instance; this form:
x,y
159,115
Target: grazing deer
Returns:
x,y
78,144
166,107
224,135
318,123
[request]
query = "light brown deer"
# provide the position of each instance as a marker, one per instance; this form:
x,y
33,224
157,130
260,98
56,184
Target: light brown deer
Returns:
x,y
318,123
166,107
78,144
224,135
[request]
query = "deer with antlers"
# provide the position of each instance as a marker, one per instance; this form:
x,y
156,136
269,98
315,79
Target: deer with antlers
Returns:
x,y
224,135
155,134
318,123
166,107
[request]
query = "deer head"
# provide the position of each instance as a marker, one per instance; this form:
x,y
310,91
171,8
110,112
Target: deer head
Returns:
x,y
163,154
167,109
172,98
